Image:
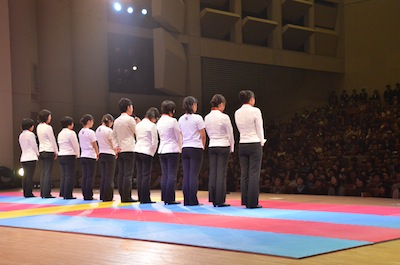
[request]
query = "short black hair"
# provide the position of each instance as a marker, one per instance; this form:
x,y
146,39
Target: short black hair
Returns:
x,y
217,99
66,121
124,103
43,115
245,96
26,124
168,106
152,113
107,119
188,103
87,117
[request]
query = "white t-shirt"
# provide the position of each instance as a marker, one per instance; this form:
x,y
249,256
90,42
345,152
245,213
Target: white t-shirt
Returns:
x,y
86,139
219,130
190,125
106,140
170,135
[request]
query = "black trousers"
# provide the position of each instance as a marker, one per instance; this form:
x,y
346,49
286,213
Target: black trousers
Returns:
x,y
107,169
169,169
67,179
143,175
250,158
47,161
27,181
218,157
125,174
192,160
88,166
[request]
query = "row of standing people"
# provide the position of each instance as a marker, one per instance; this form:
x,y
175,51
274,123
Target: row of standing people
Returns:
x,y
129,140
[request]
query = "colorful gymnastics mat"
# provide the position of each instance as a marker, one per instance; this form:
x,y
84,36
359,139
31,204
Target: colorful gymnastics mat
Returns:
x,y
286,229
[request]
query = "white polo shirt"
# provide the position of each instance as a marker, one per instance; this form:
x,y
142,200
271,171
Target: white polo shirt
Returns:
x,y
219,130
250,124
170,135
146,137
124,132
190,125
86,139
29,148
47,140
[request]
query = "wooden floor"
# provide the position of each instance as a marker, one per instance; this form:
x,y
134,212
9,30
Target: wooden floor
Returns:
x,y
25,246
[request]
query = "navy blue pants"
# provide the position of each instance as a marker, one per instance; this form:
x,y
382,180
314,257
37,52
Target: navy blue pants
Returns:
x,y
143,175
107,170
169,169
192,160
67,179
88,166
47,161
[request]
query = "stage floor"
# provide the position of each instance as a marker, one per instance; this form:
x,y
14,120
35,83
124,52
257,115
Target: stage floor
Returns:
x,y
26,246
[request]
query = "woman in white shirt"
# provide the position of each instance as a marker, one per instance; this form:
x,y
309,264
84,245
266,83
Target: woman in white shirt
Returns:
x,y
48,151
145,148
193,143
169,150
89,155
29,156
250,125
107,159
67,155
220,131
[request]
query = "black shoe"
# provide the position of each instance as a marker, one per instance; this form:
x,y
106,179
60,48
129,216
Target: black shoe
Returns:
x,y
222,205
69,198
29,196
48,197
88,199
198,204
129,200
147,202
108,200
254,207
171,203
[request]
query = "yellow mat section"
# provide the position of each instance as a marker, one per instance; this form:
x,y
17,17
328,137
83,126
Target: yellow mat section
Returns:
x,y
59,209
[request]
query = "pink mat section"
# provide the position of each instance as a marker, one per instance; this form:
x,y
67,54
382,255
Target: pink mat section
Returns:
x,y
6,206
324,207
361,233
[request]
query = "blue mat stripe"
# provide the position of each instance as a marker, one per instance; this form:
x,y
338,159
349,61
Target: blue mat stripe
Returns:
x,y
294,246
296,215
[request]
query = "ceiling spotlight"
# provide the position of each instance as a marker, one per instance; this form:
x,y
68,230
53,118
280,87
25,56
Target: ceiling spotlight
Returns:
x,y
129,10
134,68
144,11
117,6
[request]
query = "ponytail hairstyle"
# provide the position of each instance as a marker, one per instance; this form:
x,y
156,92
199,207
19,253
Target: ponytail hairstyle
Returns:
x,y
87,117
188,103
216,100
245,96
152,113
66,121
107,120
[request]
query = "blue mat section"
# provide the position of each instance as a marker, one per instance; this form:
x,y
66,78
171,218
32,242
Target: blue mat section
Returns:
x,y
296,215
293,246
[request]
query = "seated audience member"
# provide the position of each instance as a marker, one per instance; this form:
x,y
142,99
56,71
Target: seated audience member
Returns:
x,y
336,187
278,187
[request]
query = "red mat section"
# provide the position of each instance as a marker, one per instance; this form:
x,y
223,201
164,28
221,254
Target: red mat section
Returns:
x,y
375,234
324,207
7,206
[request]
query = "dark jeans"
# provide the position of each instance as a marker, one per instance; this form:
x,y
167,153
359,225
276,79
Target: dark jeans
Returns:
x,y
67,179
192,160
47,160
88,171
107,170
125,174
218,157
143,175
250,157
27,181
169,169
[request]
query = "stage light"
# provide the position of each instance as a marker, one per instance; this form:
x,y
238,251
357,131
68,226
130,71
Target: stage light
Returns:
x,y
134,68
21,172
117,6
144,11
129,10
